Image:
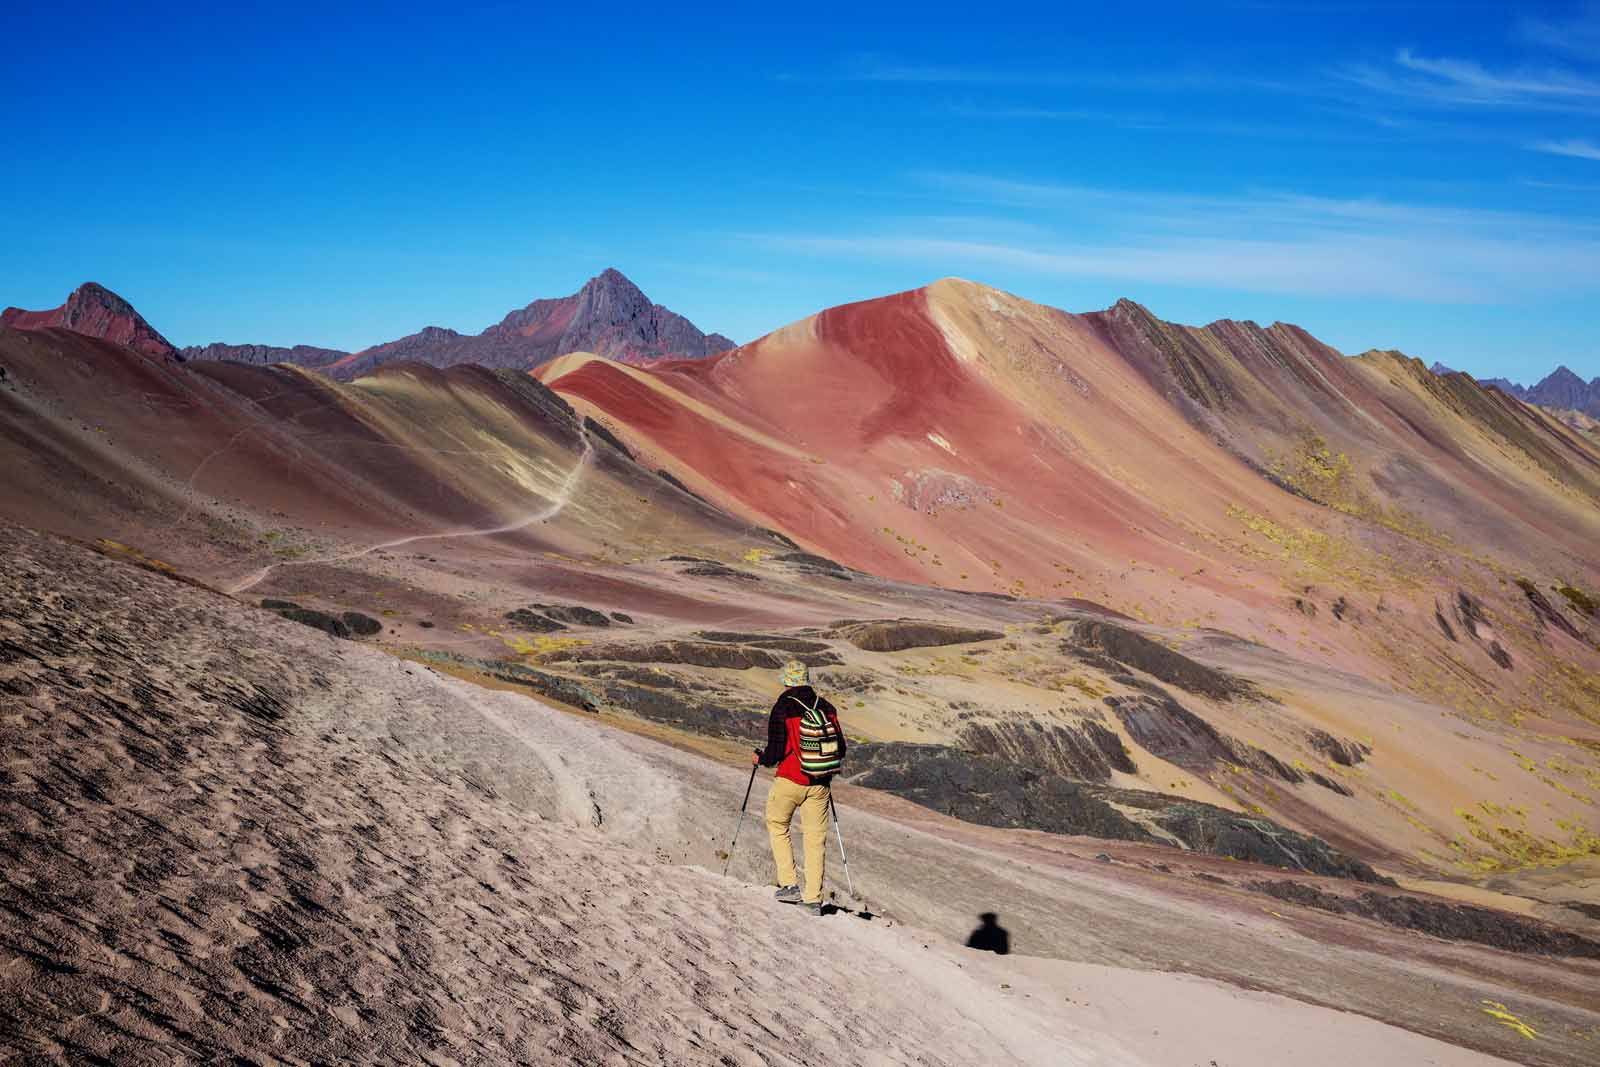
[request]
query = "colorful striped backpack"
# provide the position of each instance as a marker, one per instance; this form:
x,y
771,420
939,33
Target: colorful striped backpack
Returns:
x,y
820,751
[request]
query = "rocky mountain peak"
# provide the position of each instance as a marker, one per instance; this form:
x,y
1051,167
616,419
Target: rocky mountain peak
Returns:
x,y
95,311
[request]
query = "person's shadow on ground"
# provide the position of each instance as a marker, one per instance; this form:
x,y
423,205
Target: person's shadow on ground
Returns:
x,y
991,936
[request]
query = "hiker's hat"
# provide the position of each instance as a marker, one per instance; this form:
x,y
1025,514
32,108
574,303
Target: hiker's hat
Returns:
x,y
795,673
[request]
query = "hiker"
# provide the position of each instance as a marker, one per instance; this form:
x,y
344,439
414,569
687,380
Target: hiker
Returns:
x,y
806,745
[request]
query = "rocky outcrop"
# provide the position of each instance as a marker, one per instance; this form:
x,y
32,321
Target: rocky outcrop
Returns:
x,y
361,625
346,625
1545,613
1456,922
95,311
1474,623
1218,832
718,570
533,622
988,790
1167,729
993,791
1133,649
1345,753
775,642
691,653
815,566
1088,751
548,618
896,635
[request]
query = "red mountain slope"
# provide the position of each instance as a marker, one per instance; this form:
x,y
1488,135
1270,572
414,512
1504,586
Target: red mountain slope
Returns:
x,y
1231,476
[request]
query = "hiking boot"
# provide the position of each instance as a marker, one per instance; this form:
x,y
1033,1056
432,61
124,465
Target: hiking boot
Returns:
x,y
789,894
811,907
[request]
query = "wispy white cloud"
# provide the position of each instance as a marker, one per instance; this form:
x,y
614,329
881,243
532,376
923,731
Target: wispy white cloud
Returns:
x,y
1325,268
1269,242
1575,147
1473,77
1577,36
1259,207
1562,187
1453,82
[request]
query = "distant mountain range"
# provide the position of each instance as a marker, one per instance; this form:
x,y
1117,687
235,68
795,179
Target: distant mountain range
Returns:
x,y
1561,390
609,316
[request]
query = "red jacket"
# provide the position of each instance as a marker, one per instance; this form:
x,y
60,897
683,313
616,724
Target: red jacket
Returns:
x,y
783,734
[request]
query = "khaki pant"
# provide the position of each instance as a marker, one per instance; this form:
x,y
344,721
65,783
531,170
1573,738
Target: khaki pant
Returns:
x,y
812,801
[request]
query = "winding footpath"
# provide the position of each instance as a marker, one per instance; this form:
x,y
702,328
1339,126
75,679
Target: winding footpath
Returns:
x,y
563,496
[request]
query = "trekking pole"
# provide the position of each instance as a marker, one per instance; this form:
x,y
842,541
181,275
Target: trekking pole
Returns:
x,y
834,811
740,825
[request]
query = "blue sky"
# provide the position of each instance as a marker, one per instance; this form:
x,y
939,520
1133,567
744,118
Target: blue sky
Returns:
x,y
1422,176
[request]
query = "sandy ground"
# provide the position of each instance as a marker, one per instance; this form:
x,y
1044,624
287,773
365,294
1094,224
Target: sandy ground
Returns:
x,y
229,838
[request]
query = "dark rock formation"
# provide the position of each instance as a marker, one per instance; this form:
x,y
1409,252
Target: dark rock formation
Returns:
x,y
673,480
806,559
548,618
897,635
692,653
607,436
1088,751
574,615
1167,729
654,695
674,708
317,620
1218,832
1455,922
1581,602
993,791
718,570
1444,623
1545,613
1153,658
653,677
361,625
779,643
987,790
346,625
1470,614
1344,753
532,621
